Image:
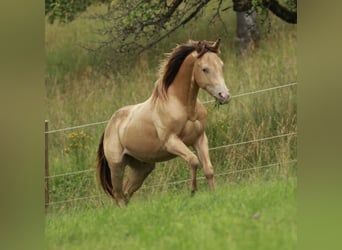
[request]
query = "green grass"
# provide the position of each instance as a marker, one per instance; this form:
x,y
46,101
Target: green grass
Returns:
x,y
254,215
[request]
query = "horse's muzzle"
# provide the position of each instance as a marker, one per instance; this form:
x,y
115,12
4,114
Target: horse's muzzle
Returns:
x,y
223,97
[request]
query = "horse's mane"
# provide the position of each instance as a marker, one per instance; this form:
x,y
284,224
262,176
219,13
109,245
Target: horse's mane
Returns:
x,y
170,67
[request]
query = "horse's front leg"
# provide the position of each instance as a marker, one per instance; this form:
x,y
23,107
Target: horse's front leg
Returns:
x,y
202,149
175,146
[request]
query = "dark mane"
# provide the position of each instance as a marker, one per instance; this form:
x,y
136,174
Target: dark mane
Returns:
x,y
174,61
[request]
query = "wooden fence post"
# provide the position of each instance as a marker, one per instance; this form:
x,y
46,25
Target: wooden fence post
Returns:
x,y
46,164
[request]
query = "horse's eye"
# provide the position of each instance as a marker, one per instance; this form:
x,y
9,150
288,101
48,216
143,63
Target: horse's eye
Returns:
x,y
205,70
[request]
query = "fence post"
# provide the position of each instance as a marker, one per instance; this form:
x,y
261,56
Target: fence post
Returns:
x,y
46,164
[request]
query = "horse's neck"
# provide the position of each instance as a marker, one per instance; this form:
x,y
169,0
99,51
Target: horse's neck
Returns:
x,y
184,88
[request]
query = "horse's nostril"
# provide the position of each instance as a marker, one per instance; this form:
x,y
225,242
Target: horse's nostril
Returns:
x,y
223,95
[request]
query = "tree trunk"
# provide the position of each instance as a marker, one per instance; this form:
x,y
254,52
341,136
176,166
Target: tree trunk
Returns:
x,y
246,29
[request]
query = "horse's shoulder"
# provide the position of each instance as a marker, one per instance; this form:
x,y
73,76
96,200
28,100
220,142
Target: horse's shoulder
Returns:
x,y
201,110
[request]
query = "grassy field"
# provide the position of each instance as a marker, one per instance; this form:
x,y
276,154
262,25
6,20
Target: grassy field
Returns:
x,y
251,215
257,177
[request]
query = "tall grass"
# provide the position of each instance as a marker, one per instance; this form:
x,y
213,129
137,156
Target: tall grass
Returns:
x,y
79,91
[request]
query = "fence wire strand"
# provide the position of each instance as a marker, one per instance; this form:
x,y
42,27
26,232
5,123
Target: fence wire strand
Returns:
x,y
258,91
75,127
71,173
256,140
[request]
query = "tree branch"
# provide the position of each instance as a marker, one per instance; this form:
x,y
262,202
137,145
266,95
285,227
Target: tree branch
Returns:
x,y
186,20
280,11
273,5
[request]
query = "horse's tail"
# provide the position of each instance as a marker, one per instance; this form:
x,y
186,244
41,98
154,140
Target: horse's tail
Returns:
x,y
103,171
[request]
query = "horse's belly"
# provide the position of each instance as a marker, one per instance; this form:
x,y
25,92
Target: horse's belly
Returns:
x,y
147,149
151,156
141,141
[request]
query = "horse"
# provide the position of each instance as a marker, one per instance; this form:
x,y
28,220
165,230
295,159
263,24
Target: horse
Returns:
x,y
164,126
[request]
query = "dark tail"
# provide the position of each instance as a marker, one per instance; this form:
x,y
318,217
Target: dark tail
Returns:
x,y
103,171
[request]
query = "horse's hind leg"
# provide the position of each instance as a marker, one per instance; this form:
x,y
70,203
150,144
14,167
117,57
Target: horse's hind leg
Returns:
x,y
117,171
138,172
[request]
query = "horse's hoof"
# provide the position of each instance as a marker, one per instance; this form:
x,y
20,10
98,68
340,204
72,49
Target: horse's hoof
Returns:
x,y
121,203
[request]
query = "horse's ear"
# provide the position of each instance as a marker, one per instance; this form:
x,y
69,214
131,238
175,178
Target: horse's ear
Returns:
x,y
200,47
217,44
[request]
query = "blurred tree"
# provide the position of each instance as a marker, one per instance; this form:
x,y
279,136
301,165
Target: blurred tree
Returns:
x,y
137,25
247,11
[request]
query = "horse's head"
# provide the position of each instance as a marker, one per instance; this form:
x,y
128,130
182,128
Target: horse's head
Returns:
x,y
208,72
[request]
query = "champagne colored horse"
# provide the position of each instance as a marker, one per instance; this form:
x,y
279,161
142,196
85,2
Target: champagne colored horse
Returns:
x,y
163,126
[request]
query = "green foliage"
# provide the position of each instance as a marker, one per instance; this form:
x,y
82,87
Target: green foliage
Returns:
x,y
143,11
261,8
291,4
134,26
66,10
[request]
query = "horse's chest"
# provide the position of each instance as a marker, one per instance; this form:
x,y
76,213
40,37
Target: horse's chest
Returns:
x,y
192,130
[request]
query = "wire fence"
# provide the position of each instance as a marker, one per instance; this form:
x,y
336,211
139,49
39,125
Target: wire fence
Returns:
x,y
294,133
213,148
179,182
204,102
